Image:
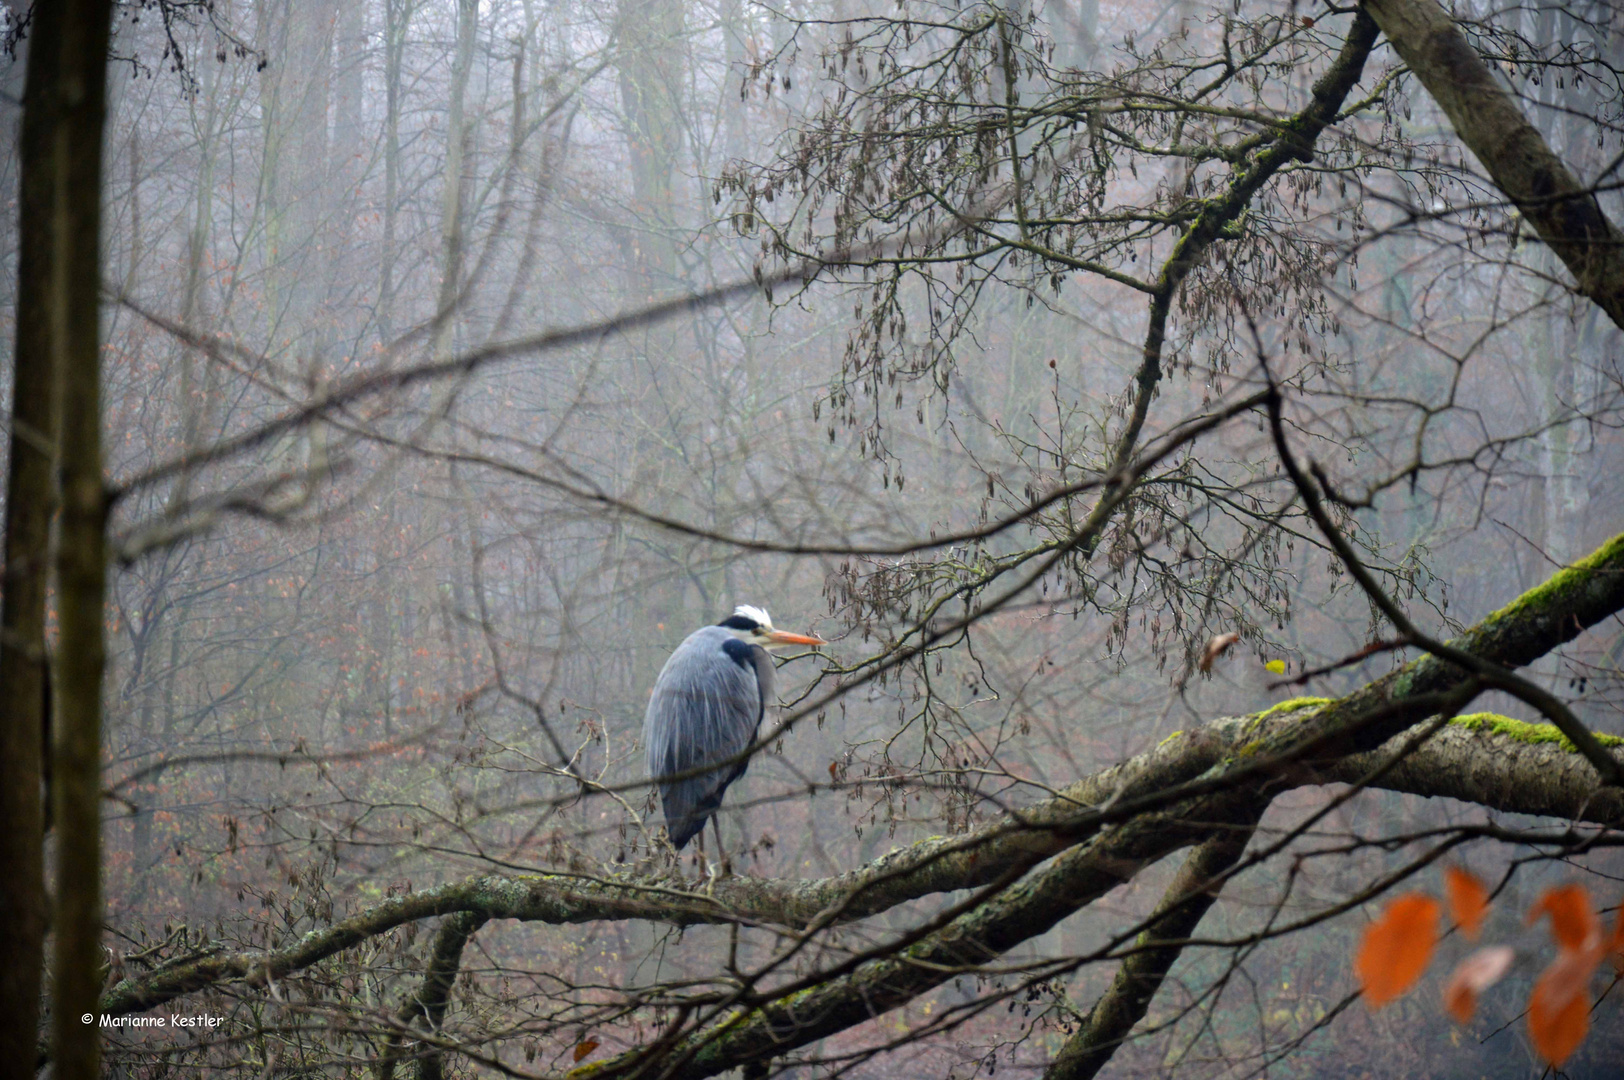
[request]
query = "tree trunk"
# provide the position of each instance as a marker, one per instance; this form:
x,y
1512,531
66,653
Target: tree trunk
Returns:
x,y
75,108
651,80
30,502
397,19
451,225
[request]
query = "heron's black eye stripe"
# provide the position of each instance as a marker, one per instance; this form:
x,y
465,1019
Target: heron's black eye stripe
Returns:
x,y
740,653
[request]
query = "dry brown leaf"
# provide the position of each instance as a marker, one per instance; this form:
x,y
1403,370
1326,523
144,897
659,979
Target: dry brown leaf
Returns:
x,y
1216,648
585,1047
1472,976
1396,948
1468,900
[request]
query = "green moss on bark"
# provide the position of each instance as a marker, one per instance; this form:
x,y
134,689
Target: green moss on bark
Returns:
x,y
1293,704
1524,732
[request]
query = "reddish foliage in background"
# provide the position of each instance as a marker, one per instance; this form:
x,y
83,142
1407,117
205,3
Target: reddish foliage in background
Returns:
x,y
1468,900
1397,947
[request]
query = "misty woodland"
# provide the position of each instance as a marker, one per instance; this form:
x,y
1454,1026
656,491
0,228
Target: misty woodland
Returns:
x,y
636,539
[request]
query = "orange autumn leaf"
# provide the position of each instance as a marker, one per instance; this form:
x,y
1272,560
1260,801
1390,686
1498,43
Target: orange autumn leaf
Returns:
x,y
1573,920
1468,900
1559,1011
1396,948
585,1047
1472,976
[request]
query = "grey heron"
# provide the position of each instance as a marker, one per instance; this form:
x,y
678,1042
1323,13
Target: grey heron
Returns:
x,y
706,708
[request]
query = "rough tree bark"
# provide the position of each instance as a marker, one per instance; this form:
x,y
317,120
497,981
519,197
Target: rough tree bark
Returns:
x,y
79,32
1563,210
30,502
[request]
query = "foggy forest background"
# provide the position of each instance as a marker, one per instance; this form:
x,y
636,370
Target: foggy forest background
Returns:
x,y
410,639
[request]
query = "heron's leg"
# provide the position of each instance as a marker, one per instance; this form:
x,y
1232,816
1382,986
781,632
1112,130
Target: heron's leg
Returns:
x,y
705,866
721,852
669,855
701,863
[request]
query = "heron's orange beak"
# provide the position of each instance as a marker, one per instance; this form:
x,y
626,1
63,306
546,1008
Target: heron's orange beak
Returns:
x,y
783,637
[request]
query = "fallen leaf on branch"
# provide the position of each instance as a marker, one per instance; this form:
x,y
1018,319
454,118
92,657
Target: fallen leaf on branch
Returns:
x,y
1396,948
585,1047
1216,648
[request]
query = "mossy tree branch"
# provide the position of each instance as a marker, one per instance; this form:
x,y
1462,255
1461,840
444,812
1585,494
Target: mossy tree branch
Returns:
x,y
1496,762
1561,208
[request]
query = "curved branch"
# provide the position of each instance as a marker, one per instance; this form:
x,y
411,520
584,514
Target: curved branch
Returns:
x,y
427,1007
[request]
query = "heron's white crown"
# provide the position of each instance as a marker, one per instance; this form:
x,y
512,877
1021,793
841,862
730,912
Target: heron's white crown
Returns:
x,y
758,615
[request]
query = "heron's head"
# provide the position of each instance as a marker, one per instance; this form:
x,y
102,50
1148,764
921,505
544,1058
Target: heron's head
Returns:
x,y
754,625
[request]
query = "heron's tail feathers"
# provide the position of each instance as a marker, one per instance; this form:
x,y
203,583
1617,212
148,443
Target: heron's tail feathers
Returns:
x,y
684,823
683,831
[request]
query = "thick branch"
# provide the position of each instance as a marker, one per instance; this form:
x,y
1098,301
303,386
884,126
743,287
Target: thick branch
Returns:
x,y
1487,119
1520,769
1543,618
1122,1006
1218,215
1500,764
1027,909
428,1005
